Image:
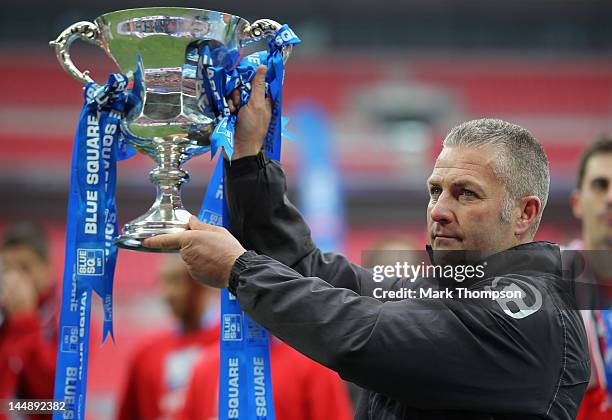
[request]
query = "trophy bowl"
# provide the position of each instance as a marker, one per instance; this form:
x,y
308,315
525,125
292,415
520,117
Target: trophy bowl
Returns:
x,y
158,49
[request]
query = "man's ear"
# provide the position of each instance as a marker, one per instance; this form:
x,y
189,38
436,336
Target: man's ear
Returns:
x,y
576,204
530,208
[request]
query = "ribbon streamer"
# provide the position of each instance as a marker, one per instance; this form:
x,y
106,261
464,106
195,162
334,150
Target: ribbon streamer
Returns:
x,y
245,388
91,227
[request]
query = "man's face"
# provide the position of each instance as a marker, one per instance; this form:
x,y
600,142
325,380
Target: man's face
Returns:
x,y
466,201
593,202
23,260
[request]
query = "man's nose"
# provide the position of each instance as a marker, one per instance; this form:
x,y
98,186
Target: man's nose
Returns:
x,y
441,211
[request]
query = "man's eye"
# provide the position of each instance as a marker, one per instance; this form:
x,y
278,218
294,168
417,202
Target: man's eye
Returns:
x,y
600,184
433,191
468,193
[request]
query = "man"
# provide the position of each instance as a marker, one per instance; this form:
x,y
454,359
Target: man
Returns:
x,y
28,330
417,357
161,369
591,202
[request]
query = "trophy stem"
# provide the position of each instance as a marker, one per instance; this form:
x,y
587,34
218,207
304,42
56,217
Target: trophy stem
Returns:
x,y
167,214
168,178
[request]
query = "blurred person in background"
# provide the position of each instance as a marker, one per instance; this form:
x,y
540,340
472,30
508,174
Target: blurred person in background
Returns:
x,y
591,202
388,249
28,325
302,388
161,367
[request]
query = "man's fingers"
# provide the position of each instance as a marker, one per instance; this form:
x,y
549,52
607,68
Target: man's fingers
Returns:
x,y
235,97
166,241
197,224
258,85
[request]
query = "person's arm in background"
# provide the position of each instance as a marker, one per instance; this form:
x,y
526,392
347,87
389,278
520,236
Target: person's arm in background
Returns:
x,y
17,334
327,395
38,378
23,331
27,357
261,216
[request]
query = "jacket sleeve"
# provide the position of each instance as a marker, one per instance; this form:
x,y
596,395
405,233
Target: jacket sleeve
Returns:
x,y
428,353
263,219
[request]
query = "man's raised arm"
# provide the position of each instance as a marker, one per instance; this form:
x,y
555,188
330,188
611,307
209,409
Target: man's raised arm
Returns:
x,y
263,219
261,216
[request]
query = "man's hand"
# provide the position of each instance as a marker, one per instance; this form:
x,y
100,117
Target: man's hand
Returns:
x,y
253,118
209,251
18,294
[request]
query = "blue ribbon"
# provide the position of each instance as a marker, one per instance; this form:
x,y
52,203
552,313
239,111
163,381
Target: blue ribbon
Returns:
x,y
245,388
91,227
275,76
215,86
606,317
217,82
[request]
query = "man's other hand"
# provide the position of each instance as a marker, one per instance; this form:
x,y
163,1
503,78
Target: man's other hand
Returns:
x,y
209,251
253,118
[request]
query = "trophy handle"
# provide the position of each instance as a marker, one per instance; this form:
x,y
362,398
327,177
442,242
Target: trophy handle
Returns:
x,y
87,31
264,28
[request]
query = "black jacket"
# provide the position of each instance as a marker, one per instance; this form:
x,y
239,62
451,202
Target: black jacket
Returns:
x,y
415,358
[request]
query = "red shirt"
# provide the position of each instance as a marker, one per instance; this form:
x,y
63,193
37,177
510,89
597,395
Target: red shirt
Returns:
x,y
28,348
160,372
303,389
595,404
18,338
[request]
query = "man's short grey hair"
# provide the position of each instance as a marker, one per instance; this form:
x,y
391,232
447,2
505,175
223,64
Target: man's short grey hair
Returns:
x,y
520,162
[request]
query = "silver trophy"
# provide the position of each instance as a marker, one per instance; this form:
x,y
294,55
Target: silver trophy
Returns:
x,y
170,127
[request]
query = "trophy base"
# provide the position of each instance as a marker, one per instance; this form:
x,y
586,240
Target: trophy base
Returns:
x,y
138,230
135,244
